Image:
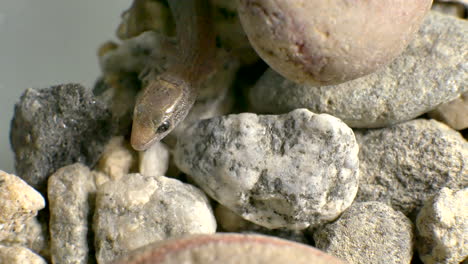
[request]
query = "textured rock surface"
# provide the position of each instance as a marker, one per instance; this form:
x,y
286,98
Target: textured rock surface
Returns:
x,y
138,210
118,159
55,127
229,249
71,191
19,202
155,160
453,113
403,165
432,70
19,255
289,171
442,226
370,232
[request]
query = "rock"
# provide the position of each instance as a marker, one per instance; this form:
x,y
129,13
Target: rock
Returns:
x,y
291,171
228,248
228,221
71,191
405,164
442,226
55,127
118,158
453,113
34,235
19,202
19,255
155,160
370,232
432,70
138,210
450,8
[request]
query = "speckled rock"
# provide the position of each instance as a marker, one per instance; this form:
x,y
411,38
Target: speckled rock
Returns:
x,y
453,113
19,202
71,192
118,158
370,232
405,164
228,221
442,226
155,160
19,255
55,127
138,210
432,70
228,249
292,170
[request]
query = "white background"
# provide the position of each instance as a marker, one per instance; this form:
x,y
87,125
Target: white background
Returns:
x,y
48,42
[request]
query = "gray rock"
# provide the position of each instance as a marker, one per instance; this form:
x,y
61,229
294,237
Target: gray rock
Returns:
x,y
19,255
370,232
71,190
19,203
453,113
403,165
442,226
138,210
290,171
155,160
432,70
55,127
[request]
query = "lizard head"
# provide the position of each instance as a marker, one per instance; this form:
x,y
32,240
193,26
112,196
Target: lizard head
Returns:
x,y
162,104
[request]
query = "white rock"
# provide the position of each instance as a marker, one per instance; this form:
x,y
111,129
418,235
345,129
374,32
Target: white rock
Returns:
x,y
117,159
19,255
292,170
155,160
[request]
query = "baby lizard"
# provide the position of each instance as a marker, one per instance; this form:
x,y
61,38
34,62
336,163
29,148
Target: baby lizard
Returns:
x,y
167,98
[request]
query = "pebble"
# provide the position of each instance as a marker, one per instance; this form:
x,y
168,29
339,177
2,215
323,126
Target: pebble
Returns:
x,y
19,203
405,164
290,171
453,113
118,158
432,70
369,232
71,191
228,249
19,255
55,127
155,160
138,210
442,226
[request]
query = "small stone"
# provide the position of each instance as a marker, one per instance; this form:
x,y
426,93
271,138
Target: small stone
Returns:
x,y
228,249
138,210
290,171
432,70
19,203
19,255
370,232
449,8
55,127
155,160
405,164
442,226
453,113
118,158
70,191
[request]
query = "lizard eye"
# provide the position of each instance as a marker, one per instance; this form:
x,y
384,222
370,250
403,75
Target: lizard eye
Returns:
x,y
164,127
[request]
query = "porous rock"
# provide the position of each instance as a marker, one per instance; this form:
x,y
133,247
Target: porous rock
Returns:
x,y
453,113
117,159
405,164
369,232
55,127
292,170
155,160
19,203
432,70
228,249
19,255
442,228
71,193
138,210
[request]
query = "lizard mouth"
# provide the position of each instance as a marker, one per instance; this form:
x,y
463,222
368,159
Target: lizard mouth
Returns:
x,y
142,137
